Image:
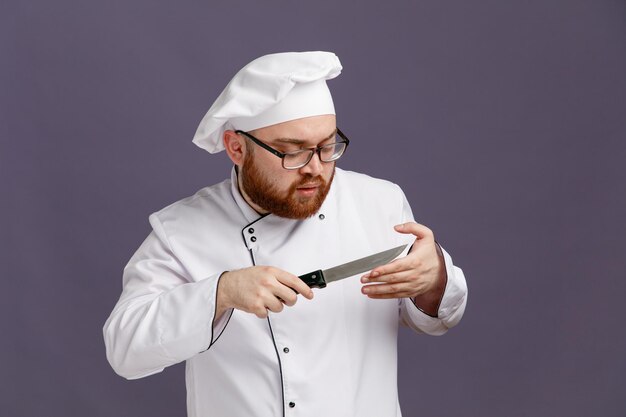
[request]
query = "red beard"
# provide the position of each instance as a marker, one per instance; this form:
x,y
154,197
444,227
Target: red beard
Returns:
x,y
264,194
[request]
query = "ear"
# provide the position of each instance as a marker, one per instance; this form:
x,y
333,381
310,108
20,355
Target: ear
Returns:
x,y
235,146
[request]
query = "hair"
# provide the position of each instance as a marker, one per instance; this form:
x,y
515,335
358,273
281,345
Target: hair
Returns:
x,y
249,145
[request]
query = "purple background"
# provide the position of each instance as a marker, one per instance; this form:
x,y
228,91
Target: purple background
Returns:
x,y
504,122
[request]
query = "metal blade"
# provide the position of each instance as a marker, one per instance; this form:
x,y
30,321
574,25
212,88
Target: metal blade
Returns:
x,y
361,265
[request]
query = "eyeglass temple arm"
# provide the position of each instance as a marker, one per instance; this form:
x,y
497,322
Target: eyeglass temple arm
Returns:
x,y
261,144
344,137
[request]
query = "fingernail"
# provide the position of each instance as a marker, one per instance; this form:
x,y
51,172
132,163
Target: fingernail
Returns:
x,y
365,278
374,274
365,290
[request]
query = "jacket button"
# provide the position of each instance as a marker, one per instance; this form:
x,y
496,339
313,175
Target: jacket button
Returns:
x,y
292,404
286,350
321,217
253,238
251,230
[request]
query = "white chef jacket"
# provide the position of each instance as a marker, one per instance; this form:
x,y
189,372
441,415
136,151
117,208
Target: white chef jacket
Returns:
x,y
335,355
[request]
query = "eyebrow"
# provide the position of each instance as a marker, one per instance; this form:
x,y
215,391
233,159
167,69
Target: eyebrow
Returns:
x,y
300,141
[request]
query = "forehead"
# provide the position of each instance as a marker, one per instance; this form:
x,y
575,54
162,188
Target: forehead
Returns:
x,y
308,130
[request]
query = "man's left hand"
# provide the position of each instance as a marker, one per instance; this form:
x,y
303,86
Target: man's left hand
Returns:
x,y
419,274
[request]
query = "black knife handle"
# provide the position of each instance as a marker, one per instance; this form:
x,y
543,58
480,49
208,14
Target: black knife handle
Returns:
x,y
314,279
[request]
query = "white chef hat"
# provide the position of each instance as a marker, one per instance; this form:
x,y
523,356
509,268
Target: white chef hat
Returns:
x,y
269,90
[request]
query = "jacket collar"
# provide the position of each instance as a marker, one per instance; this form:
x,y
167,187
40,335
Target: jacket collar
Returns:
x,y
262,228
248,212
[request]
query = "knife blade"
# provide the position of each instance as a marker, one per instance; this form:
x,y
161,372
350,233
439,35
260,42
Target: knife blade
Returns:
x,y
319,278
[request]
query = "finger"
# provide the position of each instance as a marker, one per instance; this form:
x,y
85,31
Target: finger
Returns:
x,y
273,304
390,278
261,314
388,296
412,288
380,289
401,264
293,282
285,294
259,309
416,229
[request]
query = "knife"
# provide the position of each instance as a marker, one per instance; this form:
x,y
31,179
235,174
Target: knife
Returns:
x,y
319,278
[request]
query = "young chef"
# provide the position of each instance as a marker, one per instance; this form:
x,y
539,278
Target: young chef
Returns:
x,y
216,283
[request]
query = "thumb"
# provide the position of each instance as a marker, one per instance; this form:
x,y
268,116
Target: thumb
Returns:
x,y
418,230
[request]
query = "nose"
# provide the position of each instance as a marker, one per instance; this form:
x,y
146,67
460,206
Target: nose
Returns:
x,y
314,167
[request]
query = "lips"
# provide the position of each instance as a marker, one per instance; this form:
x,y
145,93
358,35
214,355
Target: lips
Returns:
x,y
309,186
308,190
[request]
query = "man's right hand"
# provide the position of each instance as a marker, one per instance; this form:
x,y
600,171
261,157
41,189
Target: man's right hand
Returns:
x,y
258,289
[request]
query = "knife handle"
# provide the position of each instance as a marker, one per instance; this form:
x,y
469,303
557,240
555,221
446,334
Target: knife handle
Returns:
x,y
314,279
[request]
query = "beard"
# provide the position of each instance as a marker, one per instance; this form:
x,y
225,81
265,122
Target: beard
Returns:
x,y
262,192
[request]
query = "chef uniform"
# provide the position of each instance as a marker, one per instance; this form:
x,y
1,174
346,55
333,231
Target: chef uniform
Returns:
x,y
335,355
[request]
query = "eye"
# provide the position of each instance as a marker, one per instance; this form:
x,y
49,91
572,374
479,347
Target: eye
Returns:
x,y
292,149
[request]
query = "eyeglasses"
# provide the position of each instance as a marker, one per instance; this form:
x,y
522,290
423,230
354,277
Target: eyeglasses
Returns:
x,y
294,160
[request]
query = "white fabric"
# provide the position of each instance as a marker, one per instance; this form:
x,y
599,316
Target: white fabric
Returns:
x,y
304,100
254,97
342,356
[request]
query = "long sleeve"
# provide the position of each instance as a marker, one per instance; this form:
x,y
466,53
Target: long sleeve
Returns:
x,y
451,307
452,304
161,318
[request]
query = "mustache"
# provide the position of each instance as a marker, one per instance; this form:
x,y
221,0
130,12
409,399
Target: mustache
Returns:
x,y
310,180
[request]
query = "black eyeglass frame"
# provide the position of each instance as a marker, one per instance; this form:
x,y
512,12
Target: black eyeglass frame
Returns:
x,y
281,155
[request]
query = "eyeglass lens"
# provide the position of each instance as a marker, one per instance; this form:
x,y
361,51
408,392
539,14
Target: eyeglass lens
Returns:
x,y
327,153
